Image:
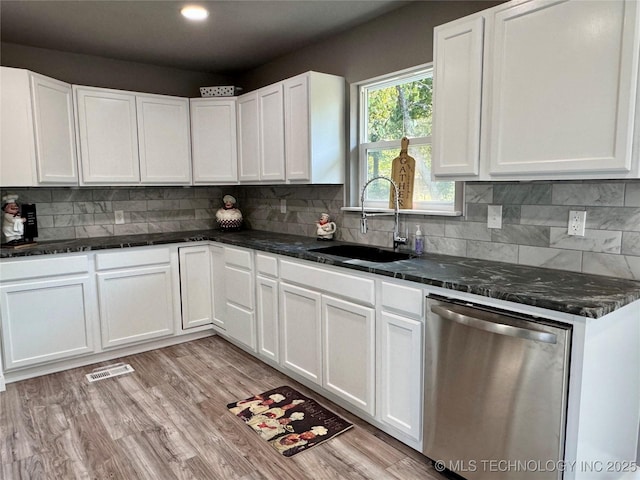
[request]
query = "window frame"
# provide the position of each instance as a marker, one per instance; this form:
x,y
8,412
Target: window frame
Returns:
x,y
359,163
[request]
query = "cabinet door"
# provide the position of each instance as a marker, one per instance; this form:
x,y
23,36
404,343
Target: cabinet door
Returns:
x,y
16,134
271,114
349,346
46,320
300,335
401,374
135,305
240,319
54,131
296,124
267,317
163,139
248,138
108,136
213,141
457,90
219,298
196,286
562,81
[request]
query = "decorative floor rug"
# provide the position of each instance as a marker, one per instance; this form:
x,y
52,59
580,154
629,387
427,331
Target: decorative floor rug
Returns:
x,y
288,420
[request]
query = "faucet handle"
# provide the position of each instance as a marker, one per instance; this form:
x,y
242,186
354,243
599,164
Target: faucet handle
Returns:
x,y
363,225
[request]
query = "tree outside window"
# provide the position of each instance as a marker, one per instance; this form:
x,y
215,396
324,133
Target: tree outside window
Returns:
x,y
389,110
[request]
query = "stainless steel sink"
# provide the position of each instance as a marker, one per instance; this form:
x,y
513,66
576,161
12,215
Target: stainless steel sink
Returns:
x,y
363,252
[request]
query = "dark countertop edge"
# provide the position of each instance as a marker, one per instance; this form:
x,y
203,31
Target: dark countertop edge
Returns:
x,y
300,249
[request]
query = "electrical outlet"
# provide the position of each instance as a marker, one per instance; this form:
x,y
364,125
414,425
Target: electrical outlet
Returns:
x,y
494,216
119,217
577,221
283,205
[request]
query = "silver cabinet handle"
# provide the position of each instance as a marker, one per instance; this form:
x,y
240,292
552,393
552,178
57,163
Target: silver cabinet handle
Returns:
x,y
489,325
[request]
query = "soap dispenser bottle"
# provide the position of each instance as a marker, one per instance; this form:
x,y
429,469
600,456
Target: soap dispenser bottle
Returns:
x,y
418,245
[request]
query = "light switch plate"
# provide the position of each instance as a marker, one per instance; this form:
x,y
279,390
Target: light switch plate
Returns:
x,y
494,216
119,217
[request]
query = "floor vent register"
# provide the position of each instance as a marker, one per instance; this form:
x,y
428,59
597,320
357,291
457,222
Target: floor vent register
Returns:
x,y
109,371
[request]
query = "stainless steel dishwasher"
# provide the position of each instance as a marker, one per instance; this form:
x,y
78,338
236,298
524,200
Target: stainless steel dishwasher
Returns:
x,y
495,392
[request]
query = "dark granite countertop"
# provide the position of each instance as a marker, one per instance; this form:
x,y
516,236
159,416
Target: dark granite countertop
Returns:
x,y
575,293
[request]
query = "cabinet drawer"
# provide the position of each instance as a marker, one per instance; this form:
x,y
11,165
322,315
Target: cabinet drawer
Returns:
x,y
43,267
402,298
343,284
267,265
237,257
132,258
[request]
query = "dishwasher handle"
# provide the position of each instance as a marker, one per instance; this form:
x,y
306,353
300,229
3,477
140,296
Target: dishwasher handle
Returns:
x,y
492,326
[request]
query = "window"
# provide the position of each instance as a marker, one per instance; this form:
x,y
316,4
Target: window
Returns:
x,y
391,108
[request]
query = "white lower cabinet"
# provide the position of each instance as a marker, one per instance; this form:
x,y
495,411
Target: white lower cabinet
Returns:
x,y
349,352
45,320
267,306
196,286
401,373
47,307
300,337
219,300
135,294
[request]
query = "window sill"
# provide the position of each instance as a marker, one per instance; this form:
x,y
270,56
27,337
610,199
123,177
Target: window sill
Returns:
x,y
439,213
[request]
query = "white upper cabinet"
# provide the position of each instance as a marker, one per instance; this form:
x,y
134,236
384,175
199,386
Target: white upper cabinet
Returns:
x,y
248,138
271,133
458,81
132,138
38,136
314,116
213,141
261,135
108,136
293,131
163,139
559,86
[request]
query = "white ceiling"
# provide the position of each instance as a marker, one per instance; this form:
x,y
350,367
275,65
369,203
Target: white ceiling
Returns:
x,y
238,35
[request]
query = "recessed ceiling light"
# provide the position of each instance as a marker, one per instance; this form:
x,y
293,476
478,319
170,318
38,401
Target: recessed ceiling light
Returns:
x,y
194,12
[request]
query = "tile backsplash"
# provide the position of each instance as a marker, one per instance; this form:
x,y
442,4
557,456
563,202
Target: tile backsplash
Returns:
x,y
534,230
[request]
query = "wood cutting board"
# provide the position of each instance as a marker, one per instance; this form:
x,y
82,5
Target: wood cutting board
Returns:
x,y
403,170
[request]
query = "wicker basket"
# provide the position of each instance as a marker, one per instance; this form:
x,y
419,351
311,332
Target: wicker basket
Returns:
x,y
224,91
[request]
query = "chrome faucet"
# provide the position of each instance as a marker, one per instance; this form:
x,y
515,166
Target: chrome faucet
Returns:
x,y
397,239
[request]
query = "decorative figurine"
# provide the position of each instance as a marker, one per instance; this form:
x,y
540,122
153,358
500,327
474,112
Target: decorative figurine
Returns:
x,y
12,222
229,217
325,228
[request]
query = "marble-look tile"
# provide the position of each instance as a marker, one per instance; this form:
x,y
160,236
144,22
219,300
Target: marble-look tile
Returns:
x,y
168,215
94,231
429,226
155,205
73,220
632,194
131,229
105,218
92,207
467,230
589,194
619,266
534,235
71,195
478,193
146,193
54,208
56,233
201,224
157,227
630,243
446,246
190,204
178,193
522,193
499,252
552,216
604,241
201,213
614,218
110,194
550,258
45,221
130,205
29,195
475,212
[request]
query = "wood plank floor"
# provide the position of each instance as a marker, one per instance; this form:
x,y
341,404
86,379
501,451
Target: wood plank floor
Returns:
x,y
168,420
